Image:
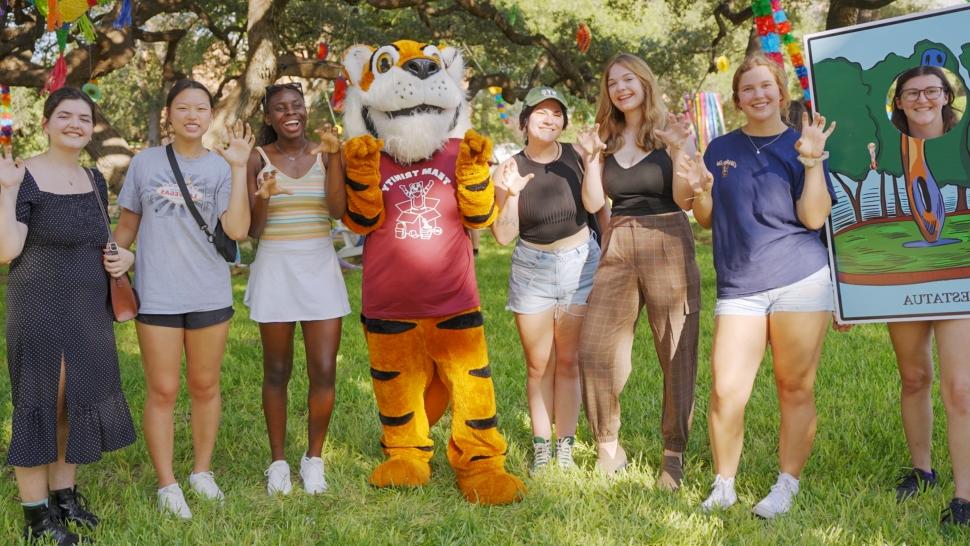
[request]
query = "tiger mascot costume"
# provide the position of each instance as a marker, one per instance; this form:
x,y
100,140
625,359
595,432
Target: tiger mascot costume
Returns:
x,y
415,179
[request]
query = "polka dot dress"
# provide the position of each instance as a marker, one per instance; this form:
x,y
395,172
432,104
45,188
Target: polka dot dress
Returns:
x,y
57,305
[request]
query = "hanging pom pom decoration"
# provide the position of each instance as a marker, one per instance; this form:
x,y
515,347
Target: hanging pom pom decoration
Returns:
x,y
339,93
764,23
92,90
58,76
503,113
322,50
124,15
6,119
583,38
513,15
54,20
793,48
722,63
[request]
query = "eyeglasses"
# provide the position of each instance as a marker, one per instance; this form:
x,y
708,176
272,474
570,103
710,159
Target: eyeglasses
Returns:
x,y
912,95
270,89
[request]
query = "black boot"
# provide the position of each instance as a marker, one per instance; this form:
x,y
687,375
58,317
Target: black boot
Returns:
x,y
41,526
70,505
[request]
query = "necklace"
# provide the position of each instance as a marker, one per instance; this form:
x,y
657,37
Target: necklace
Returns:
x,y
757,149
558,153
290,157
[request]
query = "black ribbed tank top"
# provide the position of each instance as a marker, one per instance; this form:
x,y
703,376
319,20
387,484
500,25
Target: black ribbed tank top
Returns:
x,y
643,189
551,205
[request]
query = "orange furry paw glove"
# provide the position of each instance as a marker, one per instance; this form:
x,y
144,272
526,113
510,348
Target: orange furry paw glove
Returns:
x,y
471,167
365,203
362,156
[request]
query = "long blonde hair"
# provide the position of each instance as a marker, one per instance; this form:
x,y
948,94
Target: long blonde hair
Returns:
x,y
611,119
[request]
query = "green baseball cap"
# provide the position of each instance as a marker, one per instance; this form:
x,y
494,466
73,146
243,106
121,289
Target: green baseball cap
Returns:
x,y
539,94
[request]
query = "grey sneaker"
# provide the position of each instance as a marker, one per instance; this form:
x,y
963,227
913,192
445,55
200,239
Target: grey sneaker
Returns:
x,y
172,501
541,455
780,499
722,495
564,453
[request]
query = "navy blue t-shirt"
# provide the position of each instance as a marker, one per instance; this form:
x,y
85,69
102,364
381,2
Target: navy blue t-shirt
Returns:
x,y
759,243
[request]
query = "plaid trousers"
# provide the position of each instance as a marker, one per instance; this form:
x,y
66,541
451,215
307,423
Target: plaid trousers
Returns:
x,y
649,261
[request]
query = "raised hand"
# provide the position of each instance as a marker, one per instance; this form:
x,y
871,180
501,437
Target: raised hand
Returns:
x,y
512,180
814,134
270,186
474,153
590,143
677,131
692,170
240,145
329,140
12,170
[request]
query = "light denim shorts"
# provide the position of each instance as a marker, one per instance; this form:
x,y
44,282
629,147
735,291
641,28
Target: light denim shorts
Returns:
x,y
542,279
811,294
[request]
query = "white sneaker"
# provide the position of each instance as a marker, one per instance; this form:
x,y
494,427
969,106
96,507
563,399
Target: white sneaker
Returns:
x,y
204,483
780,499
172,501
311,472
722,495
278,478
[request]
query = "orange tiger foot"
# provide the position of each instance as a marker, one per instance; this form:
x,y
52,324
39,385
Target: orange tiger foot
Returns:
x,y
401,472
494,486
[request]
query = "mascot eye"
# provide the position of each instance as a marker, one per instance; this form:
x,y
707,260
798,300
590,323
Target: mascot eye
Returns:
x,y
384,62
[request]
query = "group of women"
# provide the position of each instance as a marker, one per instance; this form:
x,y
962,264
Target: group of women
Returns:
x,y
765,191
602,232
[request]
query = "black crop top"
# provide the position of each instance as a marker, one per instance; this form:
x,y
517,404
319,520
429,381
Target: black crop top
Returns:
x,y
643,189
551,204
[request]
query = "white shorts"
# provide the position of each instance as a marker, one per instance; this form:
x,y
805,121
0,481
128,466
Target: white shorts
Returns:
x,y
292,281
811,294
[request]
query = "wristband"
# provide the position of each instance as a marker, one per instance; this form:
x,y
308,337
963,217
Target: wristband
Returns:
x,y
813,161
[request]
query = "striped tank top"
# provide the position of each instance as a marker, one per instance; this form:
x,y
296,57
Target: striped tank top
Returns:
x,y
304,214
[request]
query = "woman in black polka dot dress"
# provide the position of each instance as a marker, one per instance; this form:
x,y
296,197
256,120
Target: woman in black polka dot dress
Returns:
x,y
66,389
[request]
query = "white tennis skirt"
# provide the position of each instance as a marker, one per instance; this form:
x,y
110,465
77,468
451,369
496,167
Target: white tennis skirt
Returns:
x,y
293,281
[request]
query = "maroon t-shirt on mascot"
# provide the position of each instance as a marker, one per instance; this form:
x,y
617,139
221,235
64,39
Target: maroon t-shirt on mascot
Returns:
x,y
422,222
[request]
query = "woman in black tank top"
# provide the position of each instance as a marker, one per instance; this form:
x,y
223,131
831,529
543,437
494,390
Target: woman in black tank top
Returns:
x,y
648,261
539,193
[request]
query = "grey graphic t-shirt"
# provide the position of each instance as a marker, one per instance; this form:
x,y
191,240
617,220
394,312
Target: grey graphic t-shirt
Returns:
x,y
177,269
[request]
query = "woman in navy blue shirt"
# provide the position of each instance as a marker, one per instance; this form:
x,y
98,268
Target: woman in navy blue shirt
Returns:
x,y
766,192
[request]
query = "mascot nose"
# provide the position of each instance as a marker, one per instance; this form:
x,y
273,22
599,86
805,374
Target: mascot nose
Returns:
x,y
421,68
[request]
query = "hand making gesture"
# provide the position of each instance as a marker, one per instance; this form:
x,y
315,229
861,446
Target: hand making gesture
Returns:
x,y
814,134
11,170
590,143
692,170
513,182
676,133
236,151
269,186
329,140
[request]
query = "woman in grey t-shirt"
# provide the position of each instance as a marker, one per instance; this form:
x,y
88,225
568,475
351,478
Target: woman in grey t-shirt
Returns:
x,y
184,284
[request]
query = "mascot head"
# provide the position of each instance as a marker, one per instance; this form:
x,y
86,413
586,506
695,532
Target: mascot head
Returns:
x,y
408,94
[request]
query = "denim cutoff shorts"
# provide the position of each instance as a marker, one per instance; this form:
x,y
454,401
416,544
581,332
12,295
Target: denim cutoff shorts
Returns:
x,y
811,294
542,279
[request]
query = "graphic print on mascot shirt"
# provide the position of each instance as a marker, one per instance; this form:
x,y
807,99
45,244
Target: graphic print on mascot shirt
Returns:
x,y
423,224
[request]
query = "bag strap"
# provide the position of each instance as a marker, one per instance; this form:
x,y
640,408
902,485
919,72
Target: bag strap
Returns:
x,y
186,196
97,197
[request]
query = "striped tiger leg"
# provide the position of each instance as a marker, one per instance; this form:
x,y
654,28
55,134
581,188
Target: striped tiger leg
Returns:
x,y
476,449
401,371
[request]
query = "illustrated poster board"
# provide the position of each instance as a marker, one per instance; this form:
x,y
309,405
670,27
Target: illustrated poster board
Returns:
x,y
899,236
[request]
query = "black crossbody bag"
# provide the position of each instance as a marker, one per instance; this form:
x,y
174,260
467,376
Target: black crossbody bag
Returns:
x,y
226,247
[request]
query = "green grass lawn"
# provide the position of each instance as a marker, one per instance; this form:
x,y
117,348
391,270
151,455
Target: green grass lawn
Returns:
x,y
878,248
846,494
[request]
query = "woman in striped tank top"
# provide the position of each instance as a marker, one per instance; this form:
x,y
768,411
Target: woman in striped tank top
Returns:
x,y
296,275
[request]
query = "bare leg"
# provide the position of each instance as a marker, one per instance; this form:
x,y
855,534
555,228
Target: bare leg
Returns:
x,y
204,348
161,353
322,340
951,342
61,475
796,346
739,346
567,396
914,357
277,338
536,333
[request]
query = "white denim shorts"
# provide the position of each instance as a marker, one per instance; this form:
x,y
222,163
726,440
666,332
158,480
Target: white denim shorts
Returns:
x,y
811,294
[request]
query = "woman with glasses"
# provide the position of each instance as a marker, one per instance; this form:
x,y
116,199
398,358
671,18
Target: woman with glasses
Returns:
x,y
183,282
293,193
923,109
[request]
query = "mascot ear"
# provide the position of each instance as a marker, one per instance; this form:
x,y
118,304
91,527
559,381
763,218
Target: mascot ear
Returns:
x,y
355,61
454,64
